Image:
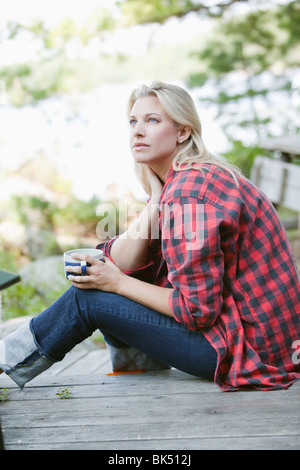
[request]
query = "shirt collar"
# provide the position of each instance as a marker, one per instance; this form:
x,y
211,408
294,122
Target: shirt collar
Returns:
x,y
169,179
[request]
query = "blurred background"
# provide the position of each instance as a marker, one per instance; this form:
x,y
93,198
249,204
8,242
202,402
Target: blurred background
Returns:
x,y
66,71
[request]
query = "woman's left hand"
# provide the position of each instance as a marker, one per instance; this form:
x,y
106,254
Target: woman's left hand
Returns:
x,y
102,275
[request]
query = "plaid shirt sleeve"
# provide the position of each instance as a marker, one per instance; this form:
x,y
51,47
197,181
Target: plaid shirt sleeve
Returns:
x,y
191,246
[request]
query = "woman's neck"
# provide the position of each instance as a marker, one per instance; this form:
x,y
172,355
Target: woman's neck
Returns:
x,y
161,171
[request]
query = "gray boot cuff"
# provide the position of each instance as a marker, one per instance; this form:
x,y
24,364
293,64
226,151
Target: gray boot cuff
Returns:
x,y
24,360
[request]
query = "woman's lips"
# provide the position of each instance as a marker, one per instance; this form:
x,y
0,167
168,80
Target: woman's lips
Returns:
x,y
140,145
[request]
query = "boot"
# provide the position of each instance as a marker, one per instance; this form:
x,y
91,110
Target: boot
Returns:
x,y
20,358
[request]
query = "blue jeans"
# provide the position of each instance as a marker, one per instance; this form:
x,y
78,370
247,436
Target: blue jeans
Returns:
x,y
123,323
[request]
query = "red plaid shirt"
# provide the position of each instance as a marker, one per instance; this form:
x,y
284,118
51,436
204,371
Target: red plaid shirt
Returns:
x,y
223,249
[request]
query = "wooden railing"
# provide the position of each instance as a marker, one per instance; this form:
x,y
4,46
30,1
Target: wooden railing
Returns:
x,y
280,181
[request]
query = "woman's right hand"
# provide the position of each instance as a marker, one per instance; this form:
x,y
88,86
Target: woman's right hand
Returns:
x,y
155,184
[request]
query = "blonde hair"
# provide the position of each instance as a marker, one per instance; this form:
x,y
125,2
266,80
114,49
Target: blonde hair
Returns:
x,y
180,107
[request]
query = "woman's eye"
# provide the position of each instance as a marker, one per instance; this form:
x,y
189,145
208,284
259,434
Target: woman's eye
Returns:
x,y
152,119
132,122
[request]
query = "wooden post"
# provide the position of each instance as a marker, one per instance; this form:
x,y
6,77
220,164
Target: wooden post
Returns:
x,y
6,279
0,307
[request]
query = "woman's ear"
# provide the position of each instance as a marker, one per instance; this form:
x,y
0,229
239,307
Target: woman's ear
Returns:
x,y
184,134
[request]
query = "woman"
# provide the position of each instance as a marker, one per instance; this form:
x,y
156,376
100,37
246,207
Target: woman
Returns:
x,y
203,281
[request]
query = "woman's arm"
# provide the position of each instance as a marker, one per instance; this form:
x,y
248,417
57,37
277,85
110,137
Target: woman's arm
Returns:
x,y
152,296
108,277
130,250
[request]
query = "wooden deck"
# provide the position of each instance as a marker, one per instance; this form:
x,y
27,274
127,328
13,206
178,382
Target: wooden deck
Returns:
x,y
166,410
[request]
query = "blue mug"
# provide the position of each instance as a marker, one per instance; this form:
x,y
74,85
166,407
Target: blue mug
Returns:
x,y
70,261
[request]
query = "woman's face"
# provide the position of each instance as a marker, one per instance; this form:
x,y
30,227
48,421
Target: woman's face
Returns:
x,y
153,136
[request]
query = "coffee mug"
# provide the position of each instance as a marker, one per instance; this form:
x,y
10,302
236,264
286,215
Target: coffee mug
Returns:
x,y
70,261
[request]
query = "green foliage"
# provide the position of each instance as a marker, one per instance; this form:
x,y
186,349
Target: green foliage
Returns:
x,y
75,215
53,72
260,46
155,11
32,82
253,42
45,219
22,299
77,212
26,297
28,209
56,39
32,295
4,395
159,11
243,156
288,18
64,393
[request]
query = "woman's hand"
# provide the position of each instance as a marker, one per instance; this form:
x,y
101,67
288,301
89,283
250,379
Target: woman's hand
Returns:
x,y
102,275
155,184
106,276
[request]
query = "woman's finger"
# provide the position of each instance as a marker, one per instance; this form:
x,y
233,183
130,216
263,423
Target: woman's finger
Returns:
x,y
89,259
79,280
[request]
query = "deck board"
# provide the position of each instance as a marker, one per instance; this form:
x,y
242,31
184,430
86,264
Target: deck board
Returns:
x,y
165,410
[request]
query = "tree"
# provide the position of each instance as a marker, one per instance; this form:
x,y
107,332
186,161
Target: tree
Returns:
x,y
261,48
247,66
53,71
159,11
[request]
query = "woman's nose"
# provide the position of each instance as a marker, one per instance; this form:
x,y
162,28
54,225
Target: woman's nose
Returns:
x,y
138,129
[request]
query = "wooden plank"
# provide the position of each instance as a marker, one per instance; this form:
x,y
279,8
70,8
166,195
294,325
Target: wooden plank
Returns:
x,y
111,433
288,144
98,411
81,362
155,445
263,401
157,410
69,360
84,360
93,362
167,421
140,387
151,383
169,430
